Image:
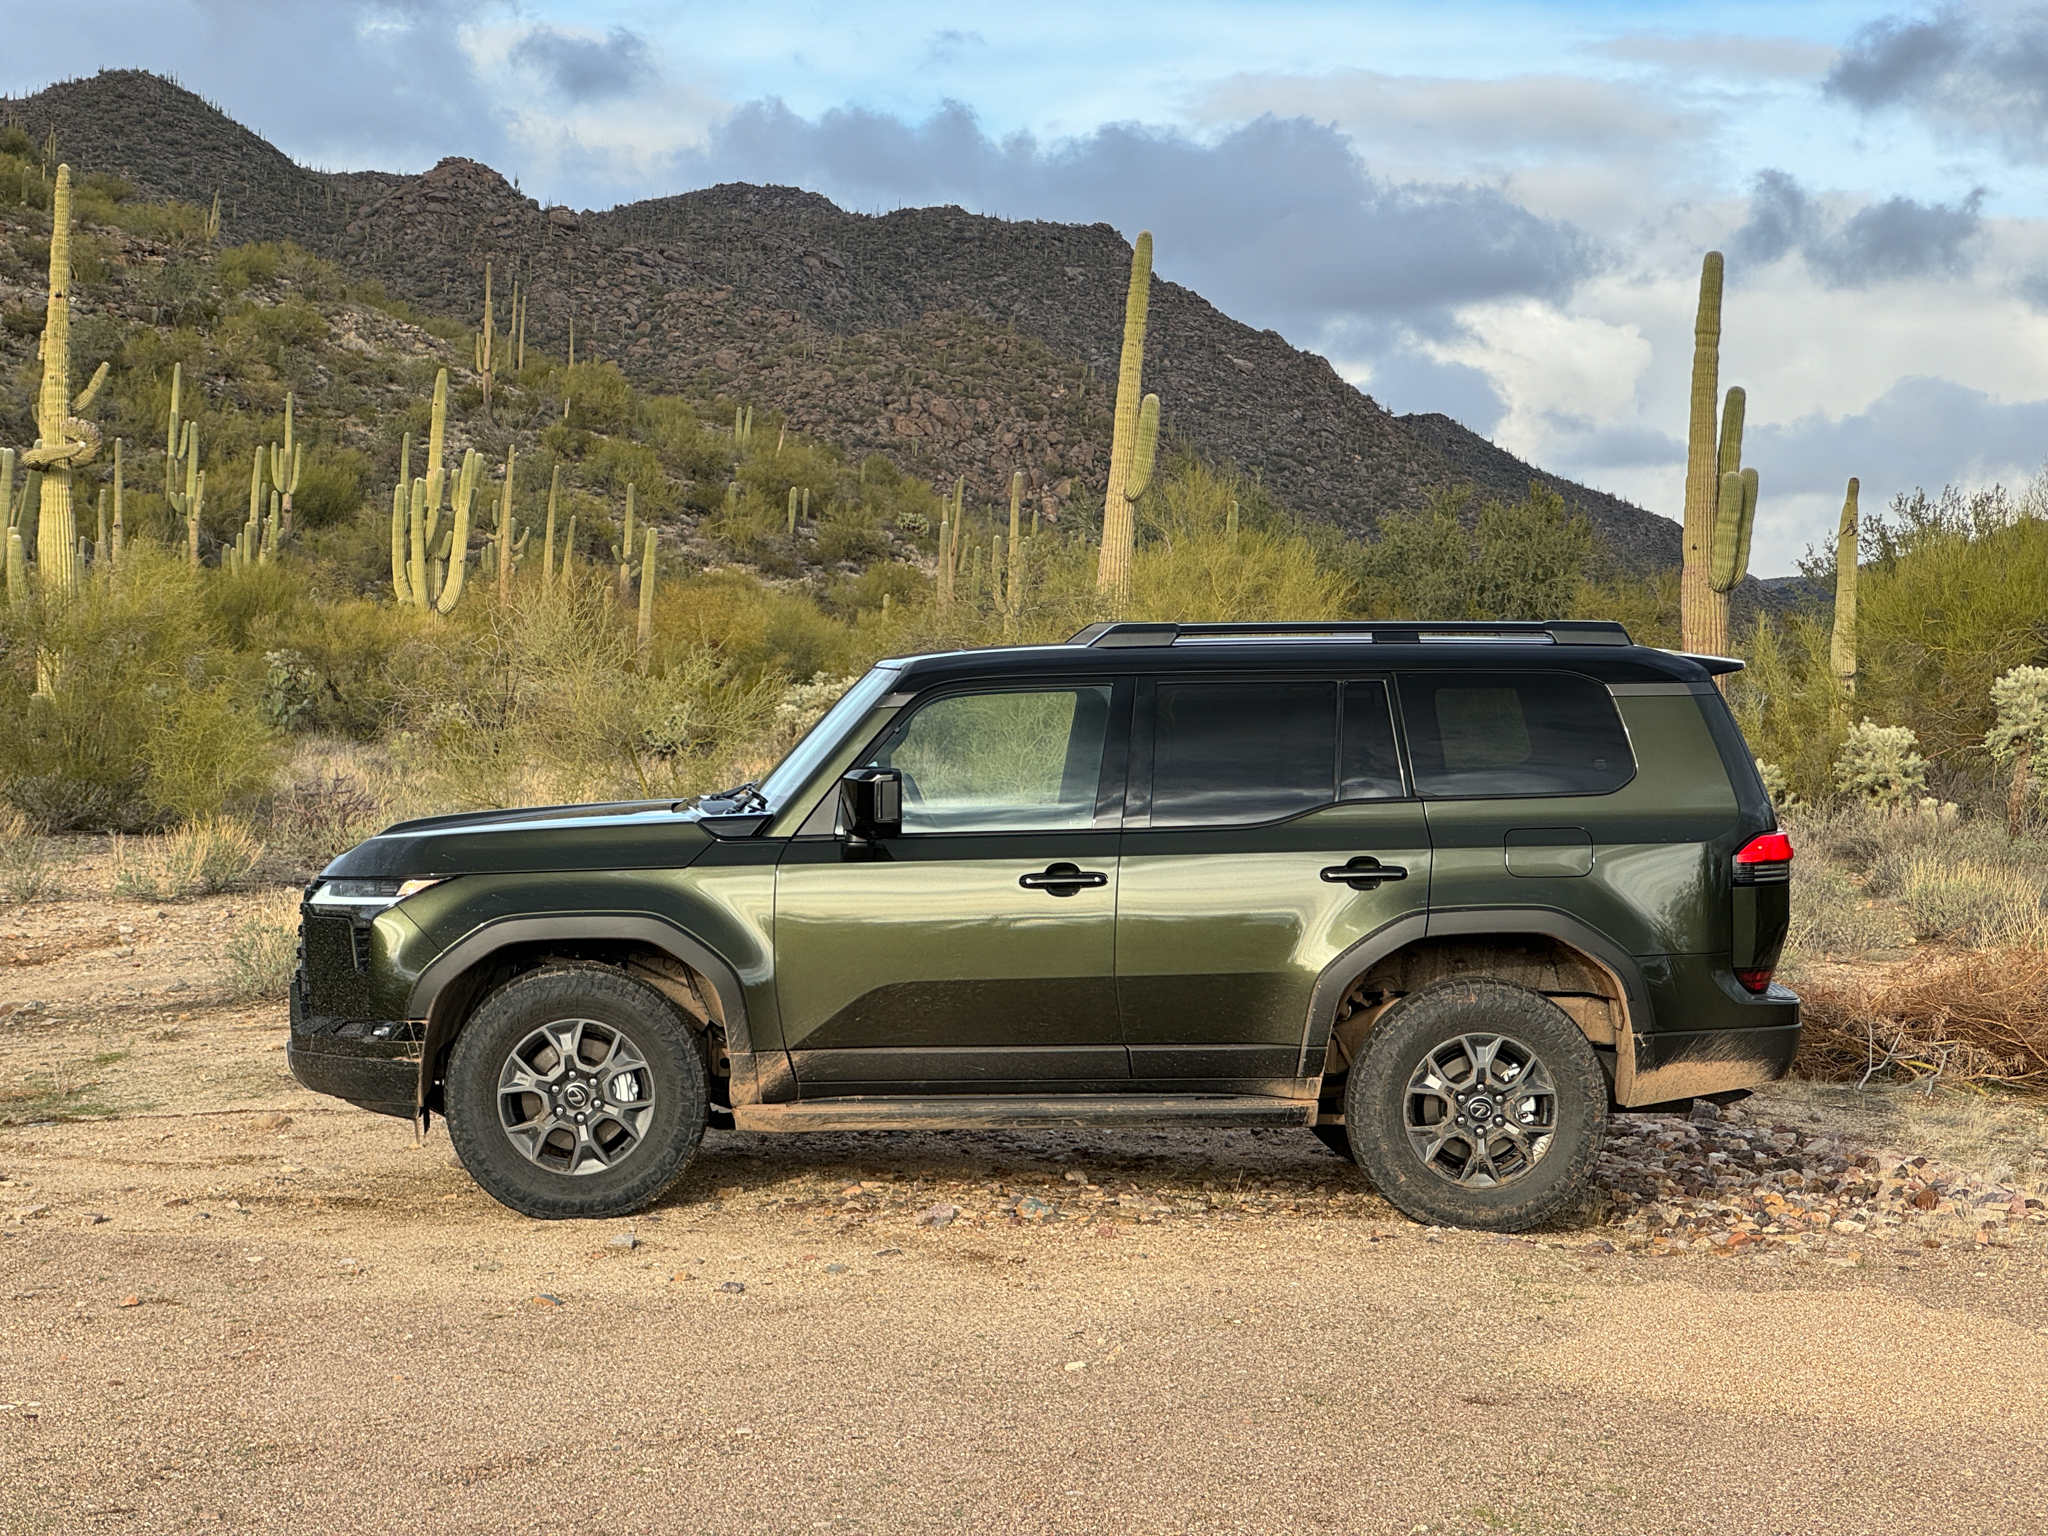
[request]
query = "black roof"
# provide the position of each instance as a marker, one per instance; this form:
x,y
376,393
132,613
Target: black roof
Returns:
x,y
1594,649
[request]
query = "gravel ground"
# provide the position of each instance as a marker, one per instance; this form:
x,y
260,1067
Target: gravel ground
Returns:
x,y
230,1304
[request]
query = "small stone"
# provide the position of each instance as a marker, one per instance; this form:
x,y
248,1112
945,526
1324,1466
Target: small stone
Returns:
x,y
136,1301
30,1212
1703,1113
271,1122
940,1215
91,1219
888,1253
1848,1228
1031,1208
352,1266
1080,1365
835,1269
543,1299
1925,1198
624,1240
734,1287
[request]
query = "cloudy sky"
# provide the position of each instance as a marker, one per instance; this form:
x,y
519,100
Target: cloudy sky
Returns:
x,y
1495,210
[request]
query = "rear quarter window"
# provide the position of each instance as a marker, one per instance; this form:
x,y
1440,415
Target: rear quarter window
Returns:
x,y
1513,733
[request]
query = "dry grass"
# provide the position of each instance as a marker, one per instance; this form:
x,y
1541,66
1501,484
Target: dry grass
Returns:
x,y
264,949
1968,1018
196,860
28,866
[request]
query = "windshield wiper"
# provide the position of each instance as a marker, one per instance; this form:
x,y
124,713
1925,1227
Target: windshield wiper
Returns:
x,y
738,800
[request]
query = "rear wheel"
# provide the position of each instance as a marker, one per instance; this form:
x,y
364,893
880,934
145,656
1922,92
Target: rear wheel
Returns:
x,y
575,1091
1477,1104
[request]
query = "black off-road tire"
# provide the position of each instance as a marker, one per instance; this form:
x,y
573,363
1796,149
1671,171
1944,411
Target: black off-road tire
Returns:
x,y
1427,1026
621,1009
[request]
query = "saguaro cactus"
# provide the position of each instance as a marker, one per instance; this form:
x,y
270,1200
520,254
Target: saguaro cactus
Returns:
x,y
16,554
485,341
285,462
547,557
1130,449
64,442
1702,468
646,634
1734,519
508,541
1842,645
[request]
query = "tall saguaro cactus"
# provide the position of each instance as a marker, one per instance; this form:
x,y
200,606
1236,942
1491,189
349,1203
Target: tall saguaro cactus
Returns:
x,y
64,443
1133,439
1842,644
1702,470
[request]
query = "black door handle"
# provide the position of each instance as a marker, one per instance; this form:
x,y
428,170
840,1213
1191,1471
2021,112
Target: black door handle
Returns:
x,y
1062,879
1364,873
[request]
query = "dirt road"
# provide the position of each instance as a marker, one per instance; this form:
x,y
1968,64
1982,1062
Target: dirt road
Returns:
x,y
229,1305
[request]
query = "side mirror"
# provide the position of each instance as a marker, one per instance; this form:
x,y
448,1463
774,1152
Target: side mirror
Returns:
x,y
871,804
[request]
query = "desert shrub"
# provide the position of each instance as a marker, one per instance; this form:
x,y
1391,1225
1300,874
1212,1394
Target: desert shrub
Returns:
x,y
28,868
600,397
240,266
119,704
321,815
1831,916
1973,902
1970,1018
330,486
206,754
201,859
263,951
1787,703
1527,560
1877,763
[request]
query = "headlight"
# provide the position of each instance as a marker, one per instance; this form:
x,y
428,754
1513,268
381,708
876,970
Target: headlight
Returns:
x,y
367,896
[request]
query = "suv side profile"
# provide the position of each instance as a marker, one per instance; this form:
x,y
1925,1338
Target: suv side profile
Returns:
x,y
1444,893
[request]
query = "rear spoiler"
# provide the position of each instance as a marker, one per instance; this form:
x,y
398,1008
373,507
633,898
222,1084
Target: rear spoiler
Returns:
x,y
1717,666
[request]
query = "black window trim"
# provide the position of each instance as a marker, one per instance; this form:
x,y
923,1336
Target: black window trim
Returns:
x,y
1635,766
1144,708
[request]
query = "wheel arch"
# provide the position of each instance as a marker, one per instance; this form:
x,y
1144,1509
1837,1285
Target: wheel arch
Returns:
x,y
681,967
1540,944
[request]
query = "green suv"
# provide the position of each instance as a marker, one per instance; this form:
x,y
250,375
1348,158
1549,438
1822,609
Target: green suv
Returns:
x,y
1444,894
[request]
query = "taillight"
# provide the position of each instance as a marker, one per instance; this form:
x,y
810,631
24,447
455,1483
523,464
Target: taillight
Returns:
x,y
1755,981
1767,860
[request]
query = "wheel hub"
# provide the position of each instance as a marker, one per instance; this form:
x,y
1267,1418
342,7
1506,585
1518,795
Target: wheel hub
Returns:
x,y
1480,1110
575,1096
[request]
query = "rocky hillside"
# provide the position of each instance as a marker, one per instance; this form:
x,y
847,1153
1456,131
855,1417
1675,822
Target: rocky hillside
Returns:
x,y
958,344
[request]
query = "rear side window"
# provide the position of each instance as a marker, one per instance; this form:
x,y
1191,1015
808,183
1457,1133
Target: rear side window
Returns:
x,y
1513,733
1242,752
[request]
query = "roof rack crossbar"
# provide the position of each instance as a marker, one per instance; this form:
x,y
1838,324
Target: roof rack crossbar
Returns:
x,y
1120,635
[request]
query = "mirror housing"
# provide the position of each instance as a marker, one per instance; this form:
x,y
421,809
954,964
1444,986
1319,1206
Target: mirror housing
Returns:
x,y
871,804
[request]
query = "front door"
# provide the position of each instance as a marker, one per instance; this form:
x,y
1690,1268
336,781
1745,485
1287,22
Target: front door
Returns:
x,y
975,952
1270,827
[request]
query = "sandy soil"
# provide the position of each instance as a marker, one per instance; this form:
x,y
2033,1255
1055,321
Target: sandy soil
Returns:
x,y
227,1304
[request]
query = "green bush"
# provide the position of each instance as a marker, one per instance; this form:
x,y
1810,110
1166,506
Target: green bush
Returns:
x,y
201,859
1973,902
330,486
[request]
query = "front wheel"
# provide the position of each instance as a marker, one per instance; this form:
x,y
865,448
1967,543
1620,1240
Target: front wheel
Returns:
x,y
1477,1104
575,1091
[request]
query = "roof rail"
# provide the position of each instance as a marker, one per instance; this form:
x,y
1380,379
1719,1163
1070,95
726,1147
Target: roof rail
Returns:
x,y
1119,635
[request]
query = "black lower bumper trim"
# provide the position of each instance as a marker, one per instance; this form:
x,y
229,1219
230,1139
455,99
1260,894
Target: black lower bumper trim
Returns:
x,y
381,1078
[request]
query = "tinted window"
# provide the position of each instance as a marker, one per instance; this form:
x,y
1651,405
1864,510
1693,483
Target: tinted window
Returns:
x,y
1514,733
1242,752
1371,766
1001,762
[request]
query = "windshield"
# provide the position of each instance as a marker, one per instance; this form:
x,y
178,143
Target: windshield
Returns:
x,y
820,739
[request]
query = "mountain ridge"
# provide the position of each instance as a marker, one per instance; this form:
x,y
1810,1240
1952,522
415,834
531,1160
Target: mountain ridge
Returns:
x,y
896,332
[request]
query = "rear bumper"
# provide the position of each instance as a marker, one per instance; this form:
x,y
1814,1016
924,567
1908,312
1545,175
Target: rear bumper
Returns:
x,y
373,1065
1686,1064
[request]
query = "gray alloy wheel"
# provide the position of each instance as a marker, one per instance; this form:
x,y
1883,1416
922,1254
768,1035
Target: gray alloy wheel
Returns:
x,y
1480,1109
575,1096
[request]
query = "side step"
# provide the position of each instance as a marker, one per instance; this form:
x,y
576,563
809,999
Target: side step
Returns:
x,y
965,1113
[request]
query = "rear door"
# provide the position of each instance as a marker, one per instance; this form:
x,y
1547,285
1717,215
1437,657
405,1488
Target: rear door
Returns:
x,y
974,953
1270,826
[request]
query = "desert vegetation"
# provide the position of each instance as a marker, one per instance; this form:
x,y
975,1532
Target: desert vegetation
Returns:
x,y
288,559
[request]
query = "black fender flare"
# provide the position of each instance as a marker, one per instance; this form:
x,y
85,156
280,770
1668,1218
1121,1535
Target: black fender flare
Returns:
x,y
431,999
1337,976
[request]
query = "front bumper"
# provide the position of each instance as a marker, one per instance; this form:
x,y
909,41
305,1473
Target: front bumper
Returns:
x,y
374,1065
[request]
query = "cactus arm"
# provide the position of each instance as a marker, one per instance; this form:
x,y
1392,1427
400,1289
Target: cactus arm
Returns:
x,y
437,431
194,501
86,396
458,535
1749,496
400,505
646,635
173,434
120,510
547,559
1727,532
416,534
1146,449
1734,407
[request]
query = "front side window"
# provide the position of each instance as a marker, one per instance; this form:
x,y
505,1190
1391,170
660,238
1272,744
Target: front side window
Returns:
x,y
1012,761
1513,733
